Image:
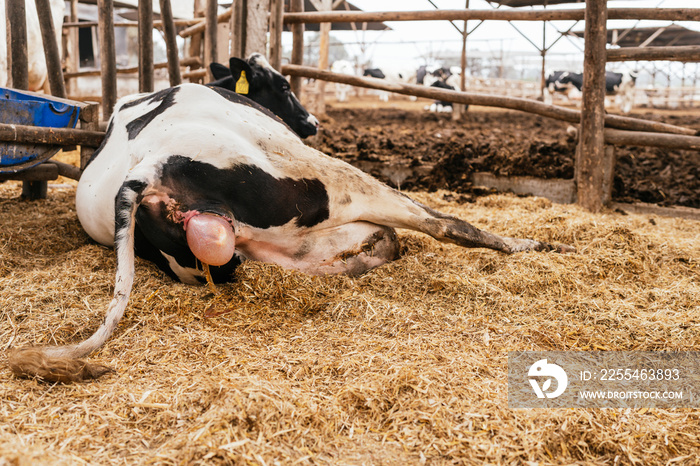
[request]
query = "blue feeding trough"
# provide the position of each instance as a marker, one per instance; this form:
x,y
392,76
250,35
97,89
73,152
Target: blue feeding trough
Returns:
x,y
30,109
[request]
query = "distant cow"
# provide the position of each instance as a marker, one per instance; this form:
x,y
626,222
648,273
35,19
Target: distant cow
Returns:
x,y
35,46
198,179
440,106
618,84
390,76
342,67
562,82
622,86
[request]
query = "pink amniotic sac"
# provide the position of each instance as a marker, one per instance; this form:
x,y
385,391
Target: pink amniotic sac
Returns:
x,y
210,238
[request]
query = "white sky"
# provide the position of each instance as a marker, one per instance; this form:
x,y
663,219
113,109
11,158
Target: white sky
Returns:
x,y
425,38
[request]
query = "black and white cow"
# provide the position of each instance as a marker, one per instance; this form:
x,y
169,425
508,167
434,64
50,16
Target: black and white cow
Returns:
x,y
199,179
563,82
441,106
390,76
621,85
258,81
617,84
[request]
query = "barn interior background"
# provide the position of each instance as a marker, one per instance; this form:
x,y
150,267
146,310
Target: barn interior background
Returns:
x,y
406,365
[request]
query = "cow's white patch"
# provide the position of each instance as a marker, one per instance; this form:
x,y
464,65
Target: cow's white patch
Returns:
x,y
185,274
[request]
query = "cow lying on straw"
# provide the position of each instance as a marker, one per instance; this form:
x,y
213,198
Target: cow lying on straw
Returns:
x,y
198,179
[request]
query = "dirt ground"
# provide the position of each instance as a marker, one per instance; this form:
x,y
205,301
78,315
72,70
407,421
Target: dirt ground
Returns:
x,y
366,133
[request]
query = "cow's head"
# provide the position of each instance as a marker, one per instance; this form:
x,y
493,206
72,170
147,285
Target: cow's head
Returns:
x,y
257,80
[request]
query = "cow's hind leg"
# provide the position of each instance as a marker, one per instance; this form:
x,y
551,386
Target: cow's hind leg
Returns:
x,y
454,230
399,211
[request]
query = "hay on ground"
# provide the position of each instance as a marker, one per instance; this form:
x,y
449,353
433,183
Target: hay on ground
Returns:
x,y
406,364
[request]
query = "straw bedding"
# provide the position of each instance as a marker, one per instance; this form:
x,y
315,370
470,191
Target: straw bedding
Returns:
x,y
403,365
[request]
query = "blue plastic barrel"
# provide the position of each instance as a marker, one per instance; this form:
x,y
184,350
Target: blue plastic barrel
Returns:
x,y
27,108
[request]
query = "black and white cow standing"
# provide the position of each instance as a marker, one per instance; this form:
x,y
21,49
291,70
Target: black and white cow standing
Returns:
x,y
390,76
616,84
563,82
200,178
621,85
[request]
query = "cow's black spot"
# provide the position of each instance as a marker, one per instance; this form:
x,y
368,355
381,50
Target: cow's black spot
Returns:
x,y
250,194
166,97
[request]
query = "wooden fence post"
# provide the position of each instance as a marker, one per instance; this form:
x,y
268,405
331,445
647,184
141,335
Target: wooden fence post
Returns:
x,y
210,36
16,15
166,15
276,26
108,56
297,6
145,46
52,55
72,49
590,156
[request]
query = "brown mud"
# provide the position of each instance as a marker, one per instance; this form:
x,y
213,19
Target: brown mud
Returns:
x,y
439,153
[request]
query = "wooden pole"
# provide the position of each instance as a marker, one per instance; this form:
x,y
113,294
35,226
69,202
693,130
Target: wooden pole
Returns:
x,y
543,52
591,163
323,52
660,14
108,56
200,26
210,36
43,135
641,138
459,108
297,6
89,121
685,53
166,16
256,26
72,50
17,27
487,100
238,28
19,65
276,26
195,49
145,46
51,52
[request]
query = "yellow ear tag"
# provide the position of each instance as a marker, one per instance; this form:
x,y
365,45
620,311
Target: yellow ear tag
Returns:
x,y
242,84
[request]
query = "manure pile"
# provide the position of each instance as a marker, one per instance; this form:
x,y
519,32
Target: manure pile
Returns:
x,y
406,364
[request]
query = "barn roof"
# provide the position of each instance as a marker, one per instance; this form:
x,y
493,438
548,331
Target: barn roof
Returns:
x,y
341,6
673,35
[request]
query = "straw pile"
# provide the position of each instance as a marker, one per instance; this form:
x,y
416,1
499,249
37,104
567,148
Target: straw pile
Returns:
x,y
404,365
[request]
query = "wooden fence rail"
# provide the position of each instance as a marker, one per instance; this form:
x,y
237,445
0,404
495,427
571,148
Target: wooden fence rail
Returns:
x,y
472,98
660,14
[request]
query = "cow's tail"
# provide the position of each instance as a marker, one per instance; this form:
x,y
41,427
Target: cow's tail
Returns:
x,y
61,363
